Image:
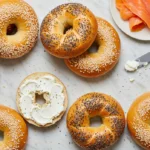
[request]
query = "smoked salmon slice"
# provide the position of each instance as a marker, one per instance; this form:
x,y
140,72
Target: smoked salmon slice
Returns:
x,y
136,24
119,4
125,13
136,11
139,8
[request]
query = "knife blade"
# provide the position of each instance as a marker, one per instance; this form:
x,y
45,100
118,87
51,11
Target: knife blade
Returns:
x,y
144,58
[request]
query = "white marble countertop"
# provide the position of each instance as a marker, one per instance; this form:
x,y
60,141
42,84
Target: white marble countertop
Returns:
x,y
116,83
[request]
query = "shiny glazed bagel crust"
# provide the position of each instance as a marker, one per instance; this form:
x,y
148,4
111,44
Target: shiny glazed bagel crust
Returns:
x,y
20,14
91,105
96,64
76,40
14,128
138,119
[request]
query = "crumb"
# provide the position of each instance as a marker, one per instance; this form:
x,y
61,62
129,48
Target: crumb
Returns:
x,y
132,79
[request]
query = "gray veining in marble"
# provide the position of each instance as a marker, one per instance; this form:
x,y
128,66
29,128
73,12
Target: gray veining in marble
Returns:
x,y
116,83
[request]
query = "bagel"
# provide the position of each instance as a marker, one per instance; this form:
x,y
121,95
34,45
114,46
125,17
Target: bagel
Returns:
x,y
91,105
14,129
81,26
53,92
138,119
96,64
18,28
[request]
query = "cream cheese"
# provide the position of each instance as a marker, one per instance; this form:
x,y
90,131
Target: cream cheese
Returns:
x,y
131,66
145,64
54,102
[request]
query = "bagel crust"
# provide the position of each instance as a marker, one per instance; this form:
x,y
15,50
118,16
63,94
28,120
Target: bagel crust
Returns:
x,y
138,119
14,128
91,105
76,40
20,14
96,64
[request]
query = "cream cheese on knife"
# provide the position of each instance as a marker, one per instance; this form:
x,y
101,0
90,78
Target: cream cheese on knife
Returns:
x,y
131,66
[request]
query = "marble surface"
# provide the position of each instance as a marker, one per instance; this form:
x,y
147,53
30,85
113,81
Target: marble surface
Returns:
x,y
116,83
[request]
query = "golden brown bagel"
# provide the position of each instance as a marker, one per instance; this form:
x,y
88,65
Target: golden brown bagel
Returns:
x,y
46,96
18,28
91,105
96,64
138,119
76,40
14,128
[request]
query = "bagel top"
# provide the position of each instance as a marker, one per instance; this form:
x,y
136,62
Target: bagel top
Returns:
x,y
20,14
14,128
76,40
138,118
92,105
96,64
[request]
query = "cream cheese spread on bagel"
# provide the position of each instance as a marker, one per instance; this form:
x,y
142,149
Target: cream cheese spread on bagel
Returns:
x,y
53,93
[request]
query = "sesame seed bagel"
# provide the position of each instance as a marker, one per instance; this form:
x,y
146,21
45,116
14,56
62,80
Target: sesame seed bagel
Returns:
x,y
14,128
81,26
18,28
96,64
27,103
91,105
138,119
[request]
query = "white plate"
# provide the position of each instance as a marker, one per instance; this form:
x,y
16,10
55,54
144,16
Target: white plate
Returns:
x,y
143,35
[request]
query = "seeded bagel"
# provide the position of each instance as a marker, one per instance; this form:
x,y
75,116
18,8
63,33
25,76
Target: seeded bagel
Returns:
x,y
14,128
68,30
96,64
138,119
18,28
91,105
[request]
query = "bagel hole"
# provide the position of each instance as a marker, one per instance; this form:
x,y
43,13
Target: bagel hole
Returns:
x,y
95,121
40,99
93,48
67,28
1,135
12,29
